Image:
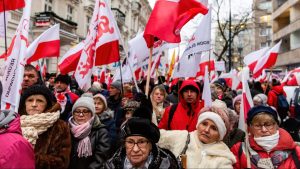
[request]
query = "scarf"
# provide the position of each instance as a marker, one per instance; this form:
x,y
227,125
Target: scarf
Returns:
x,y
82,132
128,165
34,125
268,142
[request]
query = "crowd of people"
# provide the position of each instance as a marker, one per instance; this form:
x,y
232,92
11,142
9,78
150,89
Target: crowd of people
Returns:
x,y
119,126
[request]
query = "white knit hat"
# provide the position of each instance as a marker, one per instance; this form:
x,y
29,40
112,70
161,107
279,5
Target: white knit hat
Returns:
x,y
86,100
102,98
217,119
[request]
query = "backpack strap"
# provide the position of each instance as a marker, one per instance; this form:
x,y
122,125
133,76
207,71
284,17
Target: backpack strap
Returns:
x,y
186,144
240,150
171,115
295,158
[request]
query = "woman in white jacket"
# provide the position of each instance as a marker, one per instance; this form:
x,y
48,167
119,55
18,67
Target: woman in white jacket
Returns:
x,y
205,148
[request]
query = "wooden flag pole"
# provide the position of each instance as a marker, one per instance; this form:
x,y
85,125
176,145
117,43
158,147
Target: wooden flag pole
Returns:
x,y
148,72
247,147
268,81
122,90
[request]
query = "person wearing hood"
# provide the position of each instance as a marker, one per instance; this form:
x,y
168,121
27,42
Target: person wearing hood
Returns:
x,y
203,148
90,138
270,145
187,110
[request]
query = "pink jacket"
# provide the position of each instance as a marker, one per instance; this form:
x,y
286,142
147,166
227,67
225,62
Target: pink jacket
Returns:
x,y
15,151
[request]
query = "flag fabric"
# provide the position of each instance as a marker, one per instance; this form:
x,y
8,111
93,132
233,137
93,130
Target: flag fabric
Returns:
x,y
206,95
208,61
268,60
44,69
166,25
201,39
14,65
69,61
46,45
232,79
108,35
7,5
247,102
289,75
187,66
172,64
251,59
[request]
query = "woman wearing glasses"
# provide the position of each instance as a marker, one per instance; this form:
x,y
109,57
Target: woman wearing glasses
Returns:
x,y
270,146
139,148
90,140
41,126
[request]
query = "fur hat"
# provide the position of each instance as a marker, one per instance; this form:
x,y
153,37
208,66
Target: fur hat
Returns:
x,y
140,127
131,105
86,100
262,109
102,98
63,78
117,84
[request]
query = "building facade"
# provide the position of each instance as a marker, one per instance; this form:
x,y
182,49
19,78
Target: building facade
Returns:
x,y
286,27
74,17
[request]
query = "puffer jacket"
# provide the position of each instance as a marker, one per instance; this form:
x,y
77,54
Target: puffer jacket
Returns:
x,y
285,144
161,159
181,120
100,147
273,95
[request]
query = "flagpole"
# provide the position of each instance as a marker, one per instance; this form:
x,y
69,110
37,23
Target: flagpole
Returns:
x,y
148,72
5,36
122,91
209,66
268,79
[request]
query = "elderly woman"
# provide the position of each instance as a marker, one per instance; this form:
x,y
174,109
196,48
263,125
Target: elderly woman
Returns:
x,y
159,103
270,146
90,140
139,149
260,99
42,127
203,147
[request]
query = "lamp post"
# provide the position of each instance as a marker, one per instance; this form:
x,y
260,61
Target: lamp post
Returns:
x,y
229,37
240,50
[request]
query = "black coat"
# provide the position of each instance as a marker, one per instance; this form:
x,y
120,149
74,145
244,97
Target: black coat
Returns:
x,y
161,160
100,146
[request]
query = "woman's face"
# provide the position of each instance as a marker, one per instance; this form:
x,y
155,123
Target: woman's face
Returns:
x,y
138,149
82,115
158,96
219,91
263,125
237,107
208,132
35,104
99,105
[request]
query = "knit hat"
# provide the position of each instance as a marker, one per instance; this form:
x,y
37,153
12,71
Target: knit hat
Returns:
x,y
261,98
221,83
117,84
140,127
217,119
237,98
131,105
102,98
86,100
63,78
261,109
219,104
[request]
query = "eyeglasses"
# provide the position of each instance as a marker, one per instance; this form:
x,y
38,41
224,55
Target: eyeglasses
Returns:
x,y
141,143
83,112
268,126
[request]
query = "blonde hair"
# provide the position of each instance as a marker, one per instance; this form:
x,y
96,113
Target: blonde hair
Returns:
x,y
262,117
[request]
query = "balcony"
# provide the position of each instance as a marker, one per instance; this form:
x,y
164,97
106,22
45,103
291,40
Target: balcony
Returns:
x,y
279,3
288,58
119,15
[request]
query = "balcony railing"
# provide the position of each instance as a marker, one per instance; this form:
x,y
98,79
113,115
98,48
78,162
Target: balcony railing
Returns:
x,y
279,3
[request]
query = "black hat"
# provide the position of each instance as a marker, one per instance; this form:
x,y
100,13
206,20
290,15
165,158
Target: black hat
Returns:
x,y
63,78
261,109
221,83
140,127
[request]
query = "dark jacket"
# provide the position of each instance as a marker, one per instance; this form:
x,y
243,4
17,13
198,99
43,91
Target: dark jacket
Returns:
x,y
161,160
233,137
100,147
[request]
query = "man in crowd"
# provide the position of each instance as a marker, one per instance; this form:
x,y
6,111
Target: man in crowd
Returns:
x,y
31,77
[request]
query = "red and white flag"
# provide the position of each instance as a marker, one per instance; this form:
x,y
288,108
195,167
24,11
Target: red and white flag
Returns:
x,y
247,102
69,61
251,59
206,95
108,35
268,60
14,65
7,5
187,66
44,69
208,61
46,45
168,17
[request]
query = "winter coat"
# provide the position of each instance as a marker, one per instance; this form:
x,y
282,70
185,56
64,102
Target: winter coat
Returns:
x,y
161,159
234,136
71,99
273,95
285,143
181,120
100,147
199,155
15,151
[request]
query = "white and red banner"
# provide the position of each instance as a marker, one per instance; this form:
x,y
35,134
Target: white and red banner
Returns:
x,y
188,66
201,39
206,60
7,5
46,45
233,79
14,65
206,95
251,59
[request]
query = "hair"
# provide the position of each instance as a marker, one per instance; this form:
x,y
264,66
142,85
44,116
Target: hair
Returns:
x,y
263,117
29,67
161,88
275,82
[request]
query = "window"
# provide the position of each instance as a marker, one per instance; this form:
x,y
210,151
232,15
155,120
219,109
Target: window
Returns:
x,y
265,32
70,11
265,19
48,5
265,44
265,6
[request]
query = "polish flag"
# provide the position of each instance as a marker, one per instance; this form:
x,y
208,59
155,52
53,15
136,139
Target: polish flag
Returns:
x,y
206,95
247,102
187,66
69,61
14,65
232,79
7,5
251,59
289,74
294,80
168,17
206,61
108,35
46,45
267,61
44,69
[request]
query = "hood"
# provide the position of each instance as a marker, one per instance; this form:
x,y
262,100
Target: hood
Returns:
x,y
278,89
184,85
15,126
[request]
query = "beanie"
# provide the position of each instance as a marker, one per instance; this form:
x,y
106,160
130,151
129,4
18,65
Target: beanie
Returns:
x,y
117,84
261,109
237,98
86,100
102,98
136,126
63,78
131,105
